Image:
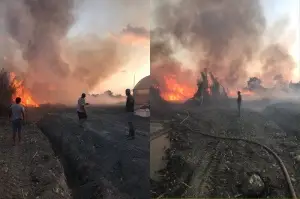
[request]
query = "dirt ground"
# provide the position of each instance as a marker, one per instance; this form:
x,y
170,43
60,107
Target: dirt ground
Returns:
x,y
100,162
29,170
201,166
97,163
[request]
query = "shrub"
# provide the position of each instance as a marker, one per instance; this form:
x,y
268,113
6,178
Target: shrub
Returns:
x,y
6,92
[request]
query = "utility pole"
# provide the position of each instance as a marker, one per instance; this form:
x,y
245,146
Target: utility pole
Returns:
x,y
133,80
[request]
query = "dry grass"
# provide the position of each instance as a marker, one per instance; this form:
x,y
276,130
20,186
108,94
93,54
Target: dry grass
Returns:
x,y
30,169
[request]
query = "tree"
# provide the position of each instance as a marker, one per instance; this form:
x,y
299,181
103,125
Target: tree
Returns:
x,y
254,83
6,92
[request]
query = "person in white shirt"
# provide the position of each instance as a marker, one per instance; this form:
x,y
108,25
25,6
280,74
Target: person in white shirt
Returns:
x,y
81,112
17,115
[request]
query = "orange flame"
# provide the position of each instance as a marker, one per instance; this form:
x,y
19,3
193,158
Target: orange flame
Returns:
x,y
22,92
174,91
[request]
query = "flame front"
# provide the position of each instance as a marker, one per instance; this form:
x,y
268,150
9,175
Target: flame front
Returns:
x,y
22,92
173,91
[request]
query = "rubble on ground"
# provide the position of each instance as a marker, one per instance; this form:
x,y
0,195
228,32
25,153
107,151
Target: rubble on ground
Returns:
x,y
253,186
222,168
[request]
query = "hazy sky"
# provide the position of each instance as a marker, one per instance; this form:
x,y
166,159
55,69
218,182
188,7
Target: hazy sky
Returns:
x,y
276,12
110,17
104,17
277,9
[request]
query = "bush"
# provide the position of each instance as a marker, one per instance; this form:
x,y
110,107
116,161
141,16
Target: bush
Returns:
x,y
6,92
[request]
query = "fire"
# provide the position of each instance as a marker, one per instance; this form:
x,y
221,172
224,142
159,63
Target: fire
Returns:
x,y
22,92
174,91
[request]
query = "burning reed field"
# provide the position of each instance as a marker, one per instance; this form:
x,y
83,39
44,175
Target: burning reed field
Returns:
x,y
32,169
202,54
57,159
46,65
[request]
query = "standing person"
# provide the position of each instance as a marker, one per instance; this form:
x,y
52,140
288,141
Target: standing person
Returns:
x,y
17,115
130,113
81,112
239,102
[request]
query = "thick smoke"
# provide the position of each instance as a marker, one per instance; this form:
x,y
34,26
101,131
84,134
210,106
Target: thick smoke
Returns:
x,y
95,59
277,62
39,26
59,68
108,97
163,64
227,37
139,31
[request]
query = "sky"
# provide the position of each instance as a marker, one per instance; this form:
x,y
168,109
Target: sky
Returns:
x,y
105,17
275,11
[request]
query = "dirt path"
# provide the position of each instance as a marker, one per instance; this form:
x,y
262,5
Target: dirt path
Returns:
x,y
101,159
13,182
29,170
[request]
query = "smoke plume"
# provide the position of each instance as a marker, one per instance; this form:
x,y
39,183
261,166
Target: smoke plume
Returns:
x,y
139,31
276,62
38,27
108,97
59,68
224,36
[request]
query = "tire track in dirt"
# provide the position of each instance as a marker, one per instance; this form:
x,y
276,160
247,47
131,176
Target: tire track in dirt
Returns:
x,y
204,171
252,142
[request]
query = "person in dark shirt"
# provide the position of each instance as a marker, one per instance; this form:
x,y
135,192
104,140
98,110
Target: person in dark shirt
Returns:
x,y
239,102
130,113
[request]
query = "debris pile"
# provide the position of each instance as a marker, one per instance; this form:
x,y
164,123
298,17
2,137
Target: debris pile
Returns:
x,y
253,186
210,90
227,168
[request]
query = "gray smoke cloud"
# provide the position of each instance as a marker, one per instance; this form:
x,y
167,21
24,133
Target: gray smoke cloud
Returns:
x,y
223,36
108,97
57,65
139,31
277,62
38,26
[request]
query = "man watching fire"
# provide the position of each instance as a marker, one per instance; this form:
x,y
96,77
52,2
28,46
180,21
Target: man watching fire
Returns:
x,y
81,112
130,113
239,102
17,115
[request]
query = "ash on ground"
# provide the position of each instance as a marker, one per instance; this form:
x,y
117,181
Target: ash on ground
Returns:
x,y
203,166
100,162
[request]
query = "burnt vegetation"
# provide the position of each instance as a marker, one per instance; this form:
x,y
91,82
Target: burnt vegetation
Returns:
x,y
227,38
6,92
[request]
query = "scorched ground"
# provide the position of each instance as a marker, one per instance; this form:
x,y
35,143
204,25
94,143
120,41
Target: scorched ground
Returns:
x,y
197,165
